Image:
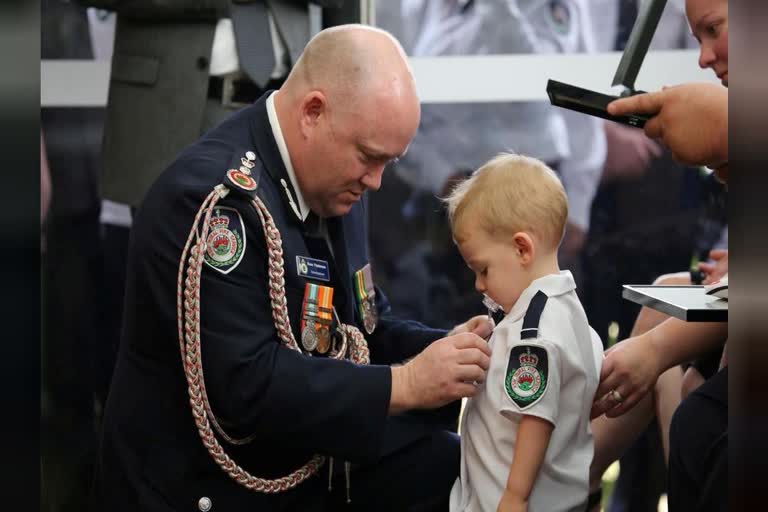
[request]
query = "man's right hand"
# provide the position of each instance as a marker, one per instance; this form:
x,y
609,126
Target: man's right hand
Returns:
x,y
447,370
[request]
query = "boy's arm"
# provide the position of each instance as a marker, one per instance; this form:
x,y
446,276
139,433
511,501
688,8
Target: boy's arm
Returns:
x,y
533,435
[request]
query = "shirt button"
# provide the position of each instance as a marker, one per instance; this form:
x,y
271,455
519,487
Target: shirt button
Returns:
x,y
202,63
204,504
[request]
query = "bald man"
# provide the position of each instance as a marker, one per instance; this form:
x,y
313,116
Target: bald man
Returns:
x,y
269,402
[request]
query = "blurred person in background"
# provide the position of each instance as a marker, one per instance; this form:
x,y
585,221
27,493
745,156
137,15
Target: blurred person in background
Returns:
x,y
71,277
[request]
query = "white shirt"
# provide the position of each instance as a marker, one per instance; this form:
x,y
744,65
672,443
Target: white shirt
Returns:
x,y
102,28
303,209
490,420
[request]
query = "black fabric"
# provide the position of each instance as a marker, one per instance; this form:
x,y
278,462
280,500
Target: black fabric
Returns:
x,y
397,482
708,364
698,437
244,91
533,315
70,271
594,498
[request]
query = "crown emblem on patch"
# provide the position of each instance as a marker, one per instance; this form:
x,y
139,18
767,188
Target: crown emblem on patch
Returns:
x,y
528,359
219,221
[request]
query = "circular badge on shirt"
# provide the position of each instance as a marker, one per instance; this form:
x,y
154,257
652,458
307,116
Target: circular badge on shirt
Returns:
x,y
241,179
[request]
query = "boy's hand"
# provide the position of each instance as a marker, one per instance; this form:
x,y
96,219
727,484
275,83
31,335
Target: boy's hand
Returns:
x,y
512,503
481,325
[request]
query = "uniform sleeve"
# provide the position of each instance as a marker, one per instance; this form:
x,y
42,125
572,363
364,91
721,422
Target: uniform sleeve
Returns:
x,y
258,386
532,379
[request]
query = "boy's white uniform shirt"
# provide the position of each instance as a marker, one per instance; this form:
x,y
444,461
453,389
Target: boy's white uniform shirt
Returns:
x,y
489,425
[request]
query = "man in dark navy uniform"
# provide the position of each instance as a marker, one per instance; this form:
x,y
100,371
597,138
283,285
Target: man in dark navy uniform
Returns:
x,y
308,153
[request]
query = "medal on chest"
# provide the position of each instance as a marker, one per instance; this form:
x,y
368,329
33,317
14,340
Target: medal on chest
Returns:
x,y
365,297
316,318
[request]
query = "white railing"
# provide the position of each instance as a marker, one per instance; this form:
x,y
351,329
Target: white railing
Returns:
x,y
493,78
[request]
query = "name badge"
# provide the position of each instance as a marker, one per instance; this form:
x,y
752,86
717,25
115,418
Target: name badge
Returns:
x,y
312,268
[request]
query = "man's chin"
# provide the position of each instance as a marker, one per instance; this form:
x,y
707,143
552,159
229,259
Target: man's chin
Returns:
x,y
337,210
342,209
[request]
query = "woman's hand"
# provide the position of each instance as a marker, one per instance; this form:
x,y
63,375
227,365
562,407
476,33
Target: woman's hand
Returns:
x,y
630,370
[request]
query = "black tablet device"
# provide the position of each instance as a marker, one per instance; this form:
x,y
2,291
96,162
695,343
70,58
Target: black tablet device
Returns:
x,y
588,102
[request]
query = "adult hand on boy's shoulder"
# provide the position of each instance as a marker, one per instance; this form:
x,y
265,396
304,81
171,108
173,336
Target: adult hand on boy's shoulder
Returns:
x,y
511,503
629,371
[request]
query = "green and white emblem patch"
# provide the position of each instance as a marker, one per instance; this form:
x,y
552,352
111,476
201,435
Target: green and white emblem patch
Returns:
x,y
225,244
527,374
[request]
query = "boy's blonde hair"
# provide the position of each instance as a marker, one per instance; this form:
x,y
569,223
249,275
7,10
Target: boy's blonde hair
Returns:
x,y
508,194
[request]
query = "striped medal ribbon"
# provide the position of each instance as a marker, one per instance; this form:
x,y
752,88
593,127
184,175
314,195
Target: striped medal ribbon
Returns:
x,y
316,318
365,296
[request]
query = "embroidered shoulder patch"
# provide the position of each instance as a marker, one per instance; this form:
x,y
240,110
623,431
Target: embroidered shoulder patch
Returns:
x,y
226,240
527,374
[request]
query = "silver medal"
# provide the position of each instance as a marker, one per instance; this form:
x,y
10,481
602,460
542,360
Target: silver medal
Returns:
x,y
309,338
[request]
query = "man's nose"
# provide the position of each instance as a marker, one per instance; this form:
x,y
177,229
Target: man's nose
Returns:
x,y
372,179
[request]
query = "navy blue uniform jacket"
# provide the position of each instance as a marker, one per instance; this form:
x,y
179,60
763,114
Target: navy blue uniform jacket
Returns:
x,y
151,455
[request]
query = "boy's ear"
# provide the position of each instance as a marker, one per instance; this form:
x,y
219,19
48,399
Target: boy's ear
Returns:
x,y
524,248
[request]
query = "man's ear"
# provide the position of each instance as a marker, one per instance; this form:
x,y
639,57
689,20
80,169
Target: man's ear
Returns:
x,y
313,106
523,246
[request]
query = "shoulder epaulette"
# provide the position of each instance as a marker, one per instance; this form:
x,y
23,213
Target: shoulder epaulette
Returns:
x,y
243,174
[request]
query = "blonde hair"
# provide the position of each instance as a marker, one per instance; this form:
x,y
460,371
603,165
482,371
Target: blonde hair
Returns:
x,y
508,194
